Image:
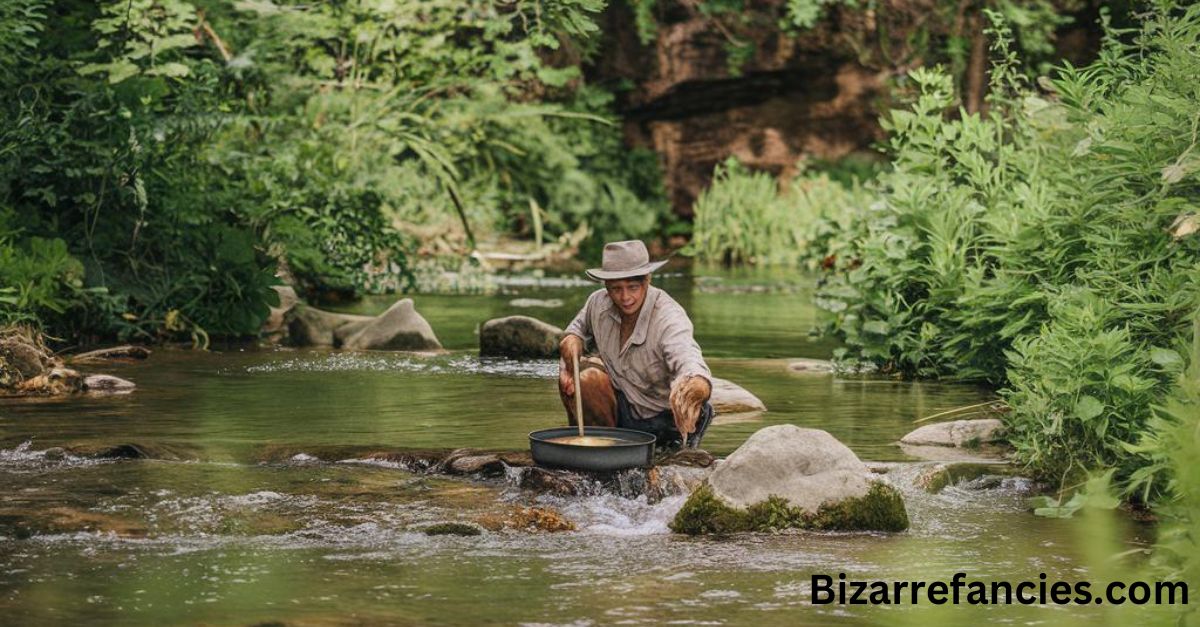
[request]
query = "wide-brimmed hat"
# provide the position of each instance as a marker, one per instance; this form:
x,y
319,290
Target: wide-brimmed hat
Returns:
x,y
623,260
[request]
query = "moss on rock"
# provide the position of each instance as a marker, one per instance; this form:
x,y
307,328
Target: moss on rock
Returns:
x,y
881,509
452,529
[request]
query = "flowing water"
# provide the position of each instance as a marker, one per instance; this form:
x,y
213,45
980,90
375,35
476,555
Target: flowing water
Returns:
x,y
237,520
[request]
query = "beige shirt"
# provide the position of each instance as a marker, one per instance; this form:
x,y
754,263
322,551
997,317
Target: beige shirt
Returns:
x,y
659,352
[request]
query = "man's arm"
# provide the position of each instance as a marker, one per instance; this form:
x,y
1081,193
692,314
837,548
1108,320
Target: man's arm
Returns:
x,y
571,347
691,383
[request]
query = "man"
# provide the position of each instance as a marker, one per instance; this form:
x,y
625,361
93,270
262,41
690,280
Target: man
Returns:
x,y
650,375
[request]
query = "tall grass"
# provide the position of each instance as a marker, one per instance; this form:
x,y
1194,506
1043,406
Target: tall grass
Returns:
x,y
747,217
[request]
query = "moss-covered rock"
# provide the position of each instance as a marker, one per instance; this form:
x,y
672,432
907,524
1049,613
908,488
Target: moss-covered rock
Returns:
x,y
452,529
881,509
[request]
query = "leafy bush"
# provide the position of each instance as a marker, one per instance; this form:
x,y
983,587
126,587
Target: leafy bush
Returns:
x,y
1036,246
183,151
1047,245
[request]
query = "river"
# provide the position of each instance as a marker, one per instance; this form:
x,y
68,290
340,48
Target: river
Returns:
x,y
220,529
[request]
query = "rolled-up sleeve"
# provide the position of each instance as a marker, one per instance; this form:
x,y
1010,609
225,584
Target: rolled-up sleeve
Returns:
x,y
582,324
681,352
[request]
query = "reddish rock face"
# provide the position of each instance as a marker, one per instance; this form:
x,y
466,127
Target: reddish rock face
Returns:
x,y
796,97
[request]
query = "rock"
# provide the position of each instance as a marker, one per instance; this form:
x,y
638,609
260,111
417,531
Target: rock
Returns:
x,y
519,337
21,359
54,453
786,476
398,328
703,108
810,366
468,462
517,458
126,352
139,450
549,303
959,433
731,398
276,324
104,383
937,476
452,529
557,482
679,480
984,453
57,381
309,326
527,519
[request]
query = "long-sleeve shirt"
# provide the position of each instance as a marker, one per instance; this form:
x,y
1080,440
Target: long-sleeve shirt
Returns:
x,y
660,351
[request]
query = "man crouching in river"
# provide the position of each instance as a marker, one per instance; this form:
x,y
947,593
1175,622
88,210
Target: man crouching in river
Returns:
x,y
650,375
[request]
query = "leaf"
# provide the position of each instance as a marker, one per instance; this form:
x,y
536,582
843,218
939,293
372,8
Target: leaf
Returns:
x,y
1088,407
878,327
173,69
1166,358
120,70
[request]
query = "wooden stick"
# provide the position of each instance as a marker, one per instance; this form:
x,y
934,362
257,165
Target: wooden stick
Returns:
x,y
578,396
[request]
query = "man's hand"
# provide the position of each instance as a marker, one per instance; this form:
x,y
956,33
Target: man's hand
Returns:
x,y
571,348
687,399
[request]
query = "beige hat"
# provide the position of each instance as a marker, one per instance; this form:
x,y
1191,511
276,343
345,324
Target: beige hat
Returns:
x,y
622,260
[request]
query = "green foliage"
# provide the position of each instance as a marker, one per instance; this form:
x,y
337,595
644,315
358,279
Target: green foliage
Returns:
x,y
804,14
184,150
743,218
1081,389
1173,441
1047,245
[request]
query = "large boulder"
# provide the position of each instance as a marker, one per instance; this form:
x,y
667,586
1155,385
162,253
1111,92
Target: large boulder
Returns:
x,y
309,326
785,476
731,398
958,433
276,325
521,337
399,328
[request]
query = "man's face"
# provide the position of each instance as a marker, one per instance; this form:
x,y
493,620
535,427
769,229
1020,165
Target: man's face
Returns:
x,y
627,294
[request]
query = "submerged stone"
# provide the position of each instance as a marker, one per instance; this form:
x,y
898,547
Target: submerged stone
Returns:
x,y
105,383
133,450
526,519
811,366
788,477
938,476
452,529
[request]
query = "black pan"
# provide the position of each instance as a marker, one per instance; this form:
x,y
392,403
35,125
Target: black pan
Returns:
x,y
635,450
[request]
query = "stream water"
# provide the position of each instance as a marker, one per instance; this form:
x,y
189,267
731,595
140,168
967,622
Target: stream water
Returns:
x,y
223,529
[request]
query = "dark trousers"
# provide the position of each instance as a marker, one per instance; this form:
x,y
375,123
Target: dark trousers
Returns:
x,y
662,424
